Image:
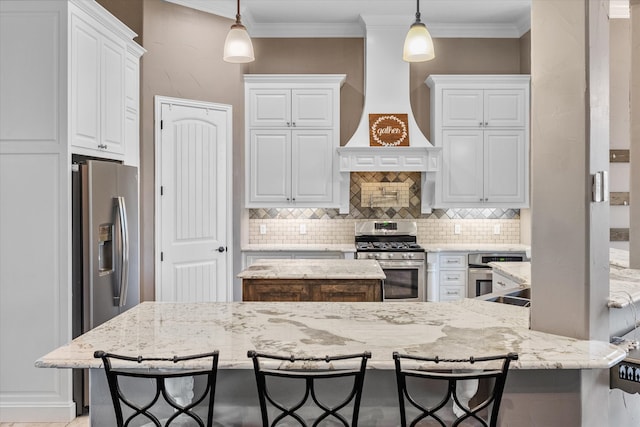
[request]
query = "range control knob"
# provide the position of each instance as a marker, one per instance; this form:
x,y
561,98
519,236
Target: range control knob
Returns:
x,y
407,256
377,256
390,256
371,256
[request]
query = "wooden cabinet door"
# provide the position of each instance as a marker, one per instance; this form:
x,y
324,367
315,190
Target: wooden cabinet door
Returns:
x,y
312,166
347,291
462,171
270,166
504,108
505,167
312,108
269,108
274,290
462,108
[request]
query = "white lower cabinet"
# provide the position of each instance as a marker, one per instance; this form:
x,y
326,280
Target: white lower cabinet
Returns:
x,y
503,283
452,276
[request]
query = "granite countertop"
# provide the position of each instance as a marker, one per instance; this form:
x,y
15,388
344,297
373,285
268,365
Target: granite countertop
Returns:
x,y
456,329
474,247
313,269
519,272
624,282
313,247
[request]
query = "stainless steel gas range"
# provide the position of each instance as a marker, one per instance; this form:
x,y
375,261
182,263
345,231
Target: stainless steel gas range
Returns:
x,y
394,245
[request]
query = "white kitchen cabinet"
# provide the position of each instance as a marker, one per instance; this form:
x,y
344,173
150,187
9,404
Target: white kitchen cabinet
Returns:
x,y
483,167
98,84
57,59
291,108
488,108
292,167
503,283
292,136
482,125
452,276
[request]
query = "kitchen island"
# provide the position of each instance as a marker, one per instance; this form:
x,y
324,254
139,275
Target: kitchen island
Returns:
x,y
345,280
542,388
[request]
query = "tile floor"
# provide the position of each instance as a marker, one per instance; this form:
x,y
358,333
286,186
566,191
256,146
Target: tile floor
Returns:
x,y
78,422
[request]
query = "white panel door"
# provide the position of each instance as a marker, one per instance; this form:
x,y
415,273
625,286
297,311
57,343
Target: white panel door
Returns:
x,y
270,163
462,160
462,108
193,205
505,167
312,107
312,166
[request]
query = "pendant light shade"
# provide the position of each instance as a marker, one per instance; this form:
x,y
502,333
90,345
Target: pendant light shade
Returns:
x,y
418,45
237,46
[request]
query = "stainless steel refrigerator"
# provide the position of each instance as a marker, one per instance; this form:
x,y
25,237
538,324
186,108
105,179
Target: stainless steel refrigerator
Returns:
x,y
106,273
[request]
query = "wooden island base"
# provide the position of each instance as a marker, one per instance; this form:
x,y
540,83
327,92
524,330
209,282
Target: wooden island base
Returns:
x,y
319,290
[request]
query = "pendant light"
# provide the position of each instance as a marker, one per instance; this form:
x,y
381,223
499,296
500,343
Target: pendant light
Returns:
x,y
237,46
418,46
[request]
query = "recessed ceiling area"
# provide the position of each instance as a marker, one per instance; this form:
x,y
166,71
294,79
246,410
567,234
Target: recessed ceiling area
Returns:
x,y
341,18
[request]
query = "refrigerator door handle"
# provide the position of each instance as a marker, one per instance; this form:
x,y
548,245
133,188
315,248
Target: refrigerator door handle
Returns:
x,y
123,277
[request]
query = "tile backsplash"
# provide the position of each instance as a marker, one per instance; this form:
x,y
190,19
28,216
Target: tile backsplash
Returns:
x,y
384,195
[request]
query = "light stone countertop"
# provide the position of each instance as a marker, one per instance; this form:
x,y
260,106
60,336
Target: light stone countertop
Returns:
x,y
350,247
519,272
624,283
474,247
447,329
313,269
285,247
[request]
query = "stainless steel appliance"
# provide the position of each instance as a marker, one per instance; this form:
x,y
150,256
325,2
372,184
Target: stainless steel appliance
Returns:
x,y
394,245
480,279
105,260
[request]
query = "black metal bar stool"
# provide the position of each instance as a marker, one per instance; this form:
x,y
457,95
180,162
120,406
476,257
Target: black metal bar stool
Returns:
x,y
145,406
419,397
279,377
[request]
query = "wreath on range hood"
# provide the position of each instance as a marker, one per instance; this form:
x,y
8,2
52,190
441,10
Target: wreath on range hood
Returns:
x,y
388,130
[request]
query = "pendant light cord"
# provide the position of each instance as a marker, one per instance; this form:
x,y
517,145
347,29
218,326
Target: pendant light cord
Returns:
x,y
417,10
238,13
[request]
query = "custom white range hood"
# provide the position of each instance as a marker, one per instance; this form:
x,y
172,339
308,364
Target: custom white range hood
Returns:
x,y
387,92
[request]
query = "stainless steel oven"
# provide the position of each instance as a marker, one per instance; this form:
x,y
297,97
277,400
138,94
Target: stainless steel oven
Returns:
x,y
480,279
394,246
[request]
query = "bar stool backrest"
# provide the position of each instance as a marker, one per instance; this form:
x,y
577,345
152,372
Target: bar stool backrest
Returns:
x,y
138,410
312,376
450,372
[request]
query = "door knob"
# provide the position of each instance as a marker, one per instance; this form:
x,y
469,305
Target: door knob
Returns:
x,y
222,249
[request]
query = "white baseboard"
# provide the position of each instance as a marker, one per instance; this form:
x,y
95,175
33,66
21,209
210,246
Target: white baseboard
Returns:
x,y
29,413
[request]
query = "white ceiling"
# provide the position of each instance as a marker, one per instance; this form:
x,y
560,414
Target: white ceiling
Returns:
x,y
341,18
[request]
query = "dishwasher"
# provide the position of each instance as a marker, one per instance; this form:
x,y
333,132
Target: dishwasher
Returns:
x,y
480,275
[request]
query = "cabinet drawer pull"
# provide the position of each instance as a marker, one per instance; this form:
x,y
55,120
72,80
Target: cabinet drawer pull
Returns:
x,y
501,283
452,293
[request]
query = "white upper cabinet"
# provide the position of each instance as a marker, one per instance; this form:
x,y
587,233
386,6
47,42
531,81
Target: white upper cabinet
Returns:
x,y
482,125
104,81
291,108
292,136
